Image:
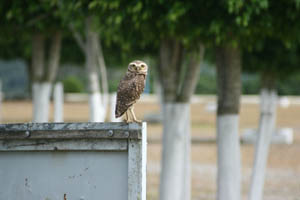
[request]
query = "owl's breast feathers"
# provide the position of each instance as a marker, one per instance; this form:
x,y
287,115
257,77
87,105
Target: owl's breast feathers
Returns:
x,y
129,91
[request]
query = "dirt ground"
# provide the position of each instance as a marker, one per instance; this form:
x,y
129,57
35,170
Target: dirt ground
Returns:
x,y
282,175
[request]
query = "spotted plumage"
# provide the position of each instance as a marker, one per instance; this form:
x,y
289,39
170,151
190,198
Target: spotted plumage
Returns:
x,y
130,88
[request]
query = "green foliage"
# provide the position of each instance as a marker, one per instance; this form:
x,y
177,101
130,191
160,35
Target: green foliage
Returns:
x,y
113,85
207,82
289,85
206,85
272,57
268,31
70,52
250,84
146,23
33,16
19,20
73,85
284,17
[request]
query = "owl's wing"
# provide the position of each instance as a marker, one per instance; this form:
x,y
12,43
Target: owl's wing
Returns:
x,y
128,93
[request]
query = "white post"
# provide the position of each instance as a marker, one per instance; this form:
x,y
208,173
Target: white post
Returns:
x,y
264,136
229,166
96,107
41,96
58,98
113,100
175,175
137,161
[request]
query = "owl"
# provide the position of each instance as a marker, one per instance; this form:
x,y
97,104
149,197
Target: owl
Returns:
x,y
130,89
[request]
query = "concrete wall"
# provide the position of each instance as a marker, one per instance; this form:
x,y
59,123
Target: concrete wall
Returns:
x,y
70,161
51,175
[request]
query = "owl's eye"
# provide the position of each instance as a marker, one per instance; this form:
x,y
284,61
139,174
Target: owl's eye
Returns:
x,y
143,66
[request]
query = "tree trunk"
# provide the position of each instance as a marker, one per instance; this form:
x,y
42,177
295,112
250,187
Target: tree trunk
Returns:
x,y
58,98
54,57
41,101
43,75
177,91
169,68
38,57
96,108
175,174
40,91
94,57
229,86
191,75
103,75
266,128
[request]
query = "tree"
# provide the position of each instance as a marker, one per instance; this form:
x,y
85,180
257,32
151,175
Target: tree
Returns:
x,y
43,73
271,70
232,26
94,57
228,63
41,22
81,16
275,56
175,177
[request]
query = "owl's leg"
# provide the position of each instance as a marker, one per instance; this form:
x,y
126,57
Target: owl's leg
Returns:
x,y
133,115
126,117
127,120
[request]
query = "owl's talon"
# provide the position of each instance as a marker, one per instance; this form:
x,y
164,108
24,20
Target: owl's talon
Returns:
x,y
127,121
137,121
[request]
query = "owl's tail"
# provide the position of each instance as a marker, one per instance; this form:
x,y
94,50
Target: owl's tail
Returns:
x,y
118,113
120,109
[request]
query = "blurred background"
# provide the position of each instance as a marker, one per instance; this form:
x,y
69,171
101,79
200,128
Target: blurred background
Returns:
x,y
61,61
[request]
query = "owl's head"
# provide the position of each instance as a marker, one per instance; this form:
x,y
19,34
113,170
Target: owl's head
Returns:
x,y
138,67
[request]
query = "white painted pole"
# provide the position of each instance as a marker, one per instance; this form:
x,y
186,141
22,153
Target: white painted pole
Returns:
x,y
266,128
41,99
229,165
113,100
58,98
175,176
96,107
137,161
